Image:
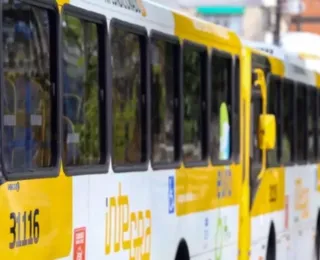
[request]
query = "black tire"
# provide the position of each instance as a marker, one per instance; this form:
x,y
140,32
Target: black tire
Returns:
x,y
271,254
271,250
183,252
317,240
317,244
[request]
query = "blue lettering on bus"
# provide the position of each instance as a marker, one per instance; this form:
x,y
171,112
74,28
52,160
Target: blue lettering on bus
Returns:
x,y
171,195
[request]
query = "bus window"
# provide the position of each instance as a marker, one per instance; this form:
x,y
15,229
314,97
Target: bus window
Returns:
x,y
29,116
221,107
301,122
195,106
256,111
312,123
287,123
164,102
235,122
128,97
82,134
275,107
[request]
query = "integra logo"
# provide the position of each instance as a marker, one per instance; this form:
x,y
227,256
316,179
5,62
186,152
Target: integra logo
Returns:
x,y
127,230
132,5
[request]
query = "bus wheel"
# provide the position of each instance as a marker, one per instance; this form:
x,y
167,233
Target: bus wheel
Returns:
x,y
317,246
183,251
271,249
317,241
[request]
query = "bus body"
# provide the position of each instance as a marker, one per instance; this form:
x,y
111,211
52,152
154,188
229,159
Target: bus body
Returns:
x,y
158,196
303,44
129,131
285,210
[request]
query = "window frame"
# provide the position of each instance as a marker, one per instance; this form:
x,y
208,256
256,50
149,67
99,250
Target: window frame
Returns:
x,y
145,87
204,83
103,75
52,171
235,155
159,36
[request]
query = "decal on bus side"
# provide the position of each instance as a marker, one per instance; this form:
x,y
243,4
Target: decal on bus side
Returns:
x,y
25,229
127,230
132,5
301,199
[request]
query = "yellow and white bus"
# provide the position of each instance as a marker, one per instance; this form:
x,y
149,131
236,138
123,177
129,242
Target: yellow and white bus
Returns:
x,y
132,131
285,221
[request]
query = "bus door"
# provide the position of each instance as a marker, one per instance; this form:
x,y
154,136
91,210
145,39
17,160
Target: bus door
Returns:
x,y
262,131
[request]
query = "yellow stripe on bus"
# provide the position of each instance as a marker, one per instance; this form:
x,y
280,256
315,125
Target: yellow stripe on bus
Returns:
x,y
201,189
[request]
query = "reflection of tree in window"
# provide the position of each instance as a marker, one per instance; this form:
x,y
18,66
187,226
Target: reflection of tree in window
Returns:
x,y
163,110
192,125
288,122
220,107
81,135
27,99
126,100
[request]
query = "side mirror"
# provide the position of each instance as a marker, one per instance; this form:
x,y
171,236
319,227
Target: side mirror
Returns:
x,y
267,132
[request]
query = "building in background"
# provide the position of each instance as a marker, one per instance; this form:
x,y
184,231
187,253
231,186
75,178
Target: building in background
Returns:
x,y
309,19
251,19
304,44
254,20
227,16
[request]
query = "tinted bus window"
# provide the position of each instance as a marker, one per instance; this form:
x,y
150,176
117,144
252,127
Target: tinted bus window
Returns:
x,y
164,102
312,123
194,91
81,127
128,97
288,122
29,105
221,107
275,108
301,122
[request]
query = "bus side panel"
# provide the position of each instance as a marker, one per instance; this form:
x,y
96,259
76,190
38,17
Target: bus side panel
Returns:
x,y
302,203
36,218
